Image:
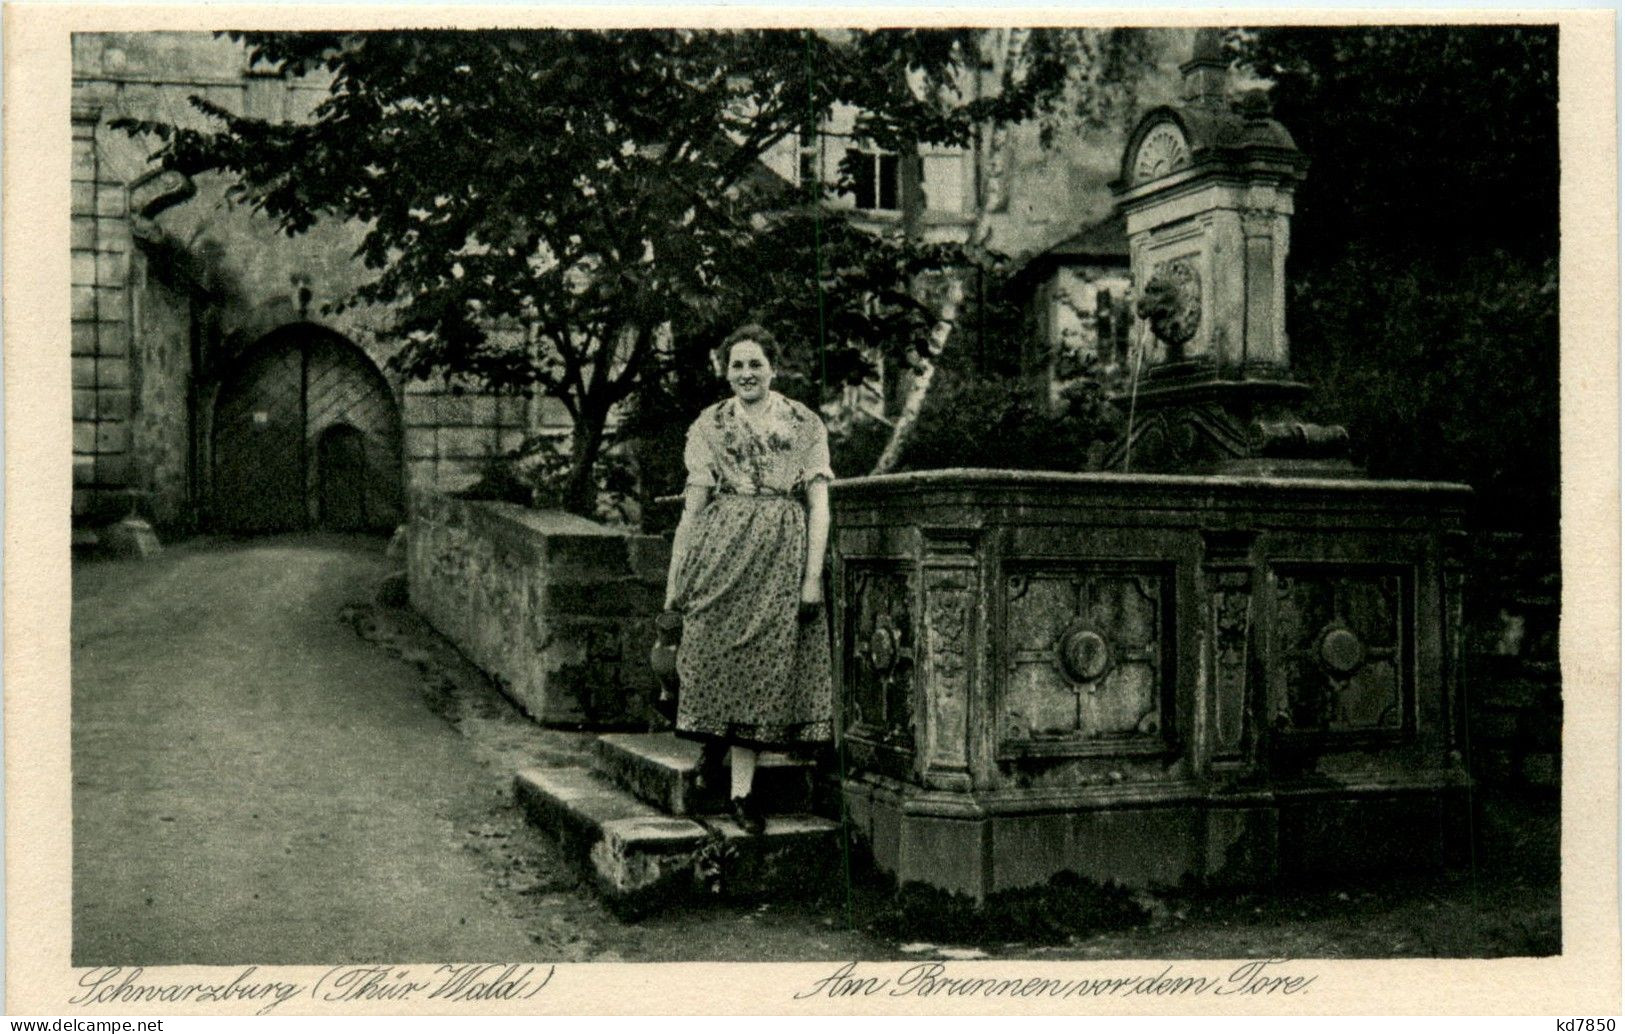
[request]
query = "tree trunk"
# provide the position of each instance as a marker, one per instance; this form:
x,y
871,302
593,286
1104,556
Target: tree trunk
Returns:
x,y
920,386
992,170
580,495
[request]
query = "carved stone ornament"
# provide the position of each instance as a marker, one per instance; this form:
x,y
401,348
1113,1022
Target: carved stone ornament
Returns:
x,y
1341,652
883,649
1085,654
1163,151
1172,302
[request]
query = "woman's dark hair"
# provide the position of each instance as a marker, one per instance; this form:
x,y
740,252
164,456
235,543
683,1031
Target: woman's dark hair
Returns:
x,y
749,332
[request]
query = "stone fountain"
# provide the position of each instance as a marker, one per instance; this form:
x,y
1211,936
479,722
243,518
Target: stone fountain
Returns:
x,y
1231,657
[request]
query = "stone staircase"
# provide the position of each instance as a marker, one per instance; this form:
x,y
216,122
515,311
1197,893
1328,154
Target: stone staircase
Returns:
x,y
647,836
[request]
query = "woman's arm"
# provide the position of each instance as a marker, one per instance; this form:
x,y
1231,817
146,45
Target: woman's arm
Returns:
x,y
694,499
812,584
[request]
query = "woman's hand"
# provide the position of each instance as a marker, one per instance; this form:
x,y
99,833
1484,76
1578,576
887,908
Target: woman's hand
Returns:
x,y
812,601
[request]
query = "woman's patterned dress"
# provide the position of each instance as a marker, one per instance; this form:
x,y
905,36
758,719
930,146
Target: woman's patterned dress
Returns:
x,y
751,673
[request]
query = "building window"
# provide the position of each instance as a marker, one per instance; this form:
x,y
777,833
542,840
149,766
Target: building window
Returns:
x,y
875,179
809,152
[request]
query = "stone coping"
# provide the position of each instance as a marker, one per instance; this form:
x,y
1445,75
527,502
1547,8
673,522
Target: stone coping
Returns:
x,y
543,522
977,477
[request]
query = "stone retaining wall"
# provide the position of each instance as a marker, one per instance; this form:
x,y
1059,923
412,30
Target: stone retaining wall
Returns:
x,y
557,609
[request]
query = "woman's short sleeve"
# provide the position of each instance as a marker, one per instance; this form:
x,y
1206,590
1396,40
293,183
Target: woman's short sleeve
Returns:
x,y
815,458
697,457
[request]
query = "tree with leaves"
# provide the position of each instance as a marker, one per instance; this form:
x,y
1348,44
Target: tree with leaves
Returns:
x,y
1422,284
544,209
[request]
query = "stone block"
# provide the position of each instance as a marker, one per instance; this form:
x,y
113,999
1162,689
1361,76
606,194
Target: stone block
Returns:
x,y
661,769
111,200
112,404
84,160
541,601
112,338
795,856
131,538
586,557
84,301
417,408
650,557
84,372
1136,846
84,437
482,410
455,475
1240,846
84,472
112,233
84,198
947,853
511,411
112,373
420,474
636,857
112,436
613,597
453,410
112,267
84,337
113,470
418,443
111,302
82,232
82,267
463,443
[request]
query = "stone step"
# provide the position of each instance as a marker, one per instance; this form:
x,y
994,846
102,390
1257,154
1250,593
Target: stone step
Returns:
x,y
640,859
661,769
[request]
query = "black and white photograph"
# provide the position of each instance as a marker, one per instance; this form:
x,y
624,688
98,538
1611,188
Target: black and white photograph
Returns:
x,y
946,505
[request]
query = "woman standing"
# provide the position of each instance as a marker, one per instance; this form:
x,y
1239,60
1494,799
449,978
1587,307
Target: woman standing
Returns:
x,y
746,574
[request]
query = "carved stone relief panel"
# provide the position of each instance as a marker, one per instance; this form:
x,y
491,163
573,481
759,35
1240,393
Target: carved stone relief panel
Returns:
x,y
1162,151
1230,607
1339,638
1083,658
949,604
880,667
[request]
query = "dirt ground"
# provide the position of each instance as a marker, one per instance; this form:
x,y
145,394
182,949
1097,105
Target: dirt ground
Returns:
x,y
269,766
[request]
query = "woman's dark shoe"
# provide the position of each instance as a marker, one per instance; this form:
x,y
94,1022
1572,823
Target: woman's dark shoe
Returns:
x,y
712,771
743,811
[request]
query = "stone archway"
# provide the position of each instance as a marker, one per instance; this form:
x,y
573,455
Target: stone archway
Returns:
x,y
279,462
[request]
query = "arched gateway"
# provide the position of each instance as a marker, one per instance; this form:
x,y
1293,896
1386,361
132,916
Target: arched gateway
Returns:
x,y
306,433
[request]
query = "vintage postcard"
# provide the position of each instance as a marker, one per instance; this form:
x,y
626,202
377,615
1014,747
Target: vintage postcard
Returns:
x,y
954,511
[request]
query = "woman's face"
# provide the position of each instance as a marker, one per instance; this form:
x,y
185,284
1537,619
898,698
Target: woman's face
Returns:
x,y
749,372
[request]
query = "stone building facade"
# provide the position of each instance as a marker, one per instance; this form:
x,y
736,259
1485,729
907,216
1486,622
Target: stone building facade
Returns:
x,y
213,389
210,389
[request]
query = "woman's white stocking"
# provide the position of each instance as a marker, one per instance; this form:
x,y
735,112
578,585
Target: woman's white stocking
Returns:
x,y
742,763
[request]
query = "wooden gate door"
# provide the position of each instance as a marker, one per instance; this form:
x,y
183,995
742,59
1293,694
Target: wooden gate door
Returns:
x,y
341,468
259,469
306,431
